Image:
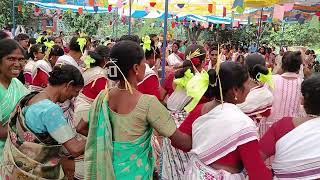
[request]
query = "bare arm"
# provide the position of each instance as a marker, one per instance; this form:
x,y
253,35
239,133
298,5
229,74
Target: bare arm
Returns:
x,y
181,141
3,131
75,147
83,128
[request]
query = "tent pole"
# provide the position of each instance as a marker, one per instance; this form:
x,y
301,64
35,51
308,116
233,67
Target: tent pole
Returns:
x,y
130,9
13,18
259,29
164,47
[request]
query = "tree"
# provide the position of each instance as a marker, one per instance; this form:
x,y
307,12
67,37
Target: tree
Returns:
x,y
22,18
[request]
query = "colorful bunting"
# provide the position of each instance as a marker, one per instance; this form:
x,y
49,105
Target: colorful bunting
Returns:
x,y
91,2
236,24
80,10
288,7
237,3
210,8
173,25
95,8
180,5
152,4
278,12
109,7
119,4
239,9
224,13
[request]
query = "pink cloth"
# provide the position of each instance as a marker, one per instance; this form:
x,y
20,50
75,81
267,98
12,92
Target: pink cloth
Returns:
x,y
287,102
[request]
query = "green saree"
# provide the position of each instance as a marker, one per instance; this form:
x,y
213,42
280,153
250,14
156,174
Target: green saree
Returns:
x,y
8,100
108,159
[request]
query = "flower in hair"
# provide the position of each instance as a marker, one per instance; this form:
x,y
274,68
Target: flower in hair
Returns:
x,y
89,60
82,43
182,82
49,45
266,78
196,61
196,88
194,54
146,45
39,39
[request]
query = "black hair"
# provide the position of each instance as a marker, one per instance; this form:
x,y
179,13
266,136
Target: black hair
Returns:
x,y
7,46
192,48
307,52
3,35
185,66
100,54
74,45
256,64
125,53
21,37
154,49
56,51
152,36
133,38
310,89
291,61
213,47
176,43
32,41
36,48
231,75
64,74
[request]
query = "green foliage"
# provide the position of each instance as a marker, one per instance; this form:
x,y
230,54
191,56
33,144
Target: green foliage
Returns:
x,y
295,35
22,18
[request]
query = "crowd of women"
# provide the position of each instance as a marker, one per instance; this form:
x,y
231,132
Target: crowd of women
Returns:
x,y
103,108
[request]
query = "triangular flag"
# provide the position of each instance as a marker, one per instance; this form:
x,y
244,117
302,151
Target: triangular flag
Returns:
x,y
210,8
152,4
288,7
278,12
239,9
236,24
95,8
91,2
180,5
109,7
80,10
119,4
237,3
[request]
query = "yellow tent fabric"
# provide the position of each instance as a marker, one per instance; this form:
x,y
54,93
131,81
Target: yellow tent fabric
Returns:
x,y
200,7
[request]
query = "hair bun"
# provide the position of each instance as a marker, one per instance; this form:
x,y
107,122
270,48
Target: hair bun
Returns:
x,y
258,68
113,72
